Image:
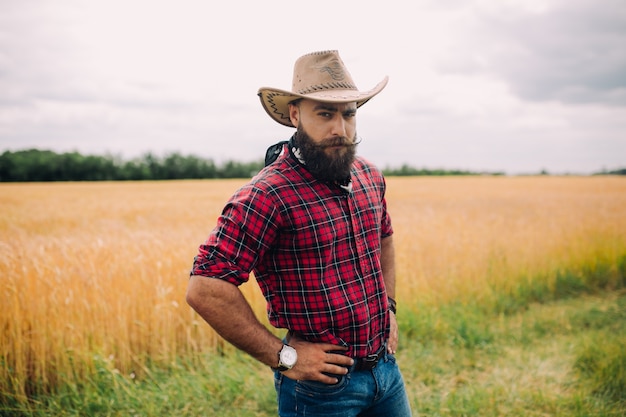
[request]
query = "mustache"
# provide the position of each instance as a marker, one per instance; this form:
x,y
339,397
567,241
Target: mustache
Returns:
x,y
338,141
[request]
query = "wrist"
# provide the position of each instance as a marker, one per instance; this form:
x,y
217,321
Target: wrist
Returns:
x,y
392,305
287,358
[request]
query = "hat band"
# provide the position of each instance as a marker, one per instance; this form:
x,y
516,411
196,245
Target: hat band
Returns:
x,y
327,86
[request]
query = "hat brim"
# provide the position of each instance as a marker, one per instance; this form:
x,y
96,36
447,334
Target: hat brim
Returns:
x,y
276,101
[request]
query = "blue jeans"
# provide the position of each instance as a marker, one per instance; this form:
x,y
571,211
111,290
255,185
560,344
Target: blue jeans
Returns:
x,y
378,392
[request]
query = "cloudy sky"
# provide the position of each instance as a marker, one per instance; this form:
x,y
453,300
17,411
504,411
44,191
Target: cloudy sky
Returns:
x,y
496,85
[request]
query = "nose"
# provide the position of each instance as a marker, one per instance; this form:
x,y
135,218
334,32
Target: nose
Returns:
x,y
339,127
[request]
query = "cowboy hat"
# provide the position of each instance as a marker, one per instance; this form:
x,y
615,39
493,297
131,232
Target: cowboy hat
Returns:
x,y
320,76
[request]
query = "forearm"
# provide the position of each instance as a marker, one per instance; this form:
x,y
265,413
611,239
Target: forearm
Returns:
x,y
223,306
388,265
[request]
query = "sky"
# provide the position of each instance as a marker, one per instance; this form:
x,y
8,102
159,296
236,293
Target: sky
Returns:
x,y
515,86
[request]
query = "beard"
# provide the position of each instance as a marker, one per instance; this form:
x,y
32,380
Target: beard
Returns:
x,y
330,160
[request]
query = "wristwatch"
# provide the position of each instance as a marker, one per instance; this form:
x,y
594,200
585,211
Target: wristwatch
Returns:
x,y
287,358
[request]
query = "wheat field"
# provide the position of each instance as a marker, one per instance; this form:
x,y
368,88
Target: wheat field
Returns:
x,y
99,270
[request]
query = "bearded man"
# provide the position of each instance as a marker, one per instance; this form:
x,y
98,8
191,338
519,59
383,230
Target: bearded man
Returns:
x,y
313,227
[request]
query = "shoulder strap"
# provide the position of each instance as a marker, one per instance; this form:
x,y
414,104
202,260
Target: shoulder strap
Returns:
x,y
274,151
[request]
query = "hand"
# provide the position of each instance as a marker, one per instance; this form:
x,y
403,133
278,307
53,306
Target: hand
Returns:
x,y
392,343
317,359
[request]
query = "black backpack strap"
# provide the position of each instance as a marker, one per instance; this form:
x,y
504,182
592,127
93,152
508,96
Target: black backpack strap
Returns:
x,y
274,151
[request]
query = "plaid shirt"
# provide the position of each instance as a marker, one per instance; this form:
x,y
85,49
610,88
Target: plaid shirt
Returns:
x,y
314,249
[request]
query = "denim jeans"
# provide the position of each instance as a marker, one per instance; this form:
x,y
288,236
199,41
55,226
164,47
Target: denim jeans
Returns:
x,y
377,392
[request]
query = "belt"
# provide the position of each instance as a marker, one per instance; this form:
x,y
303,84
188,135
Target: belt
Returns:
x,y
370,361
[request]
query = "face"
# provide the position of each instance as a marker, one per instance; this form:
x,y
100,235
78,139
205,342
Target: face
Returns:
x,y
326,136
324,121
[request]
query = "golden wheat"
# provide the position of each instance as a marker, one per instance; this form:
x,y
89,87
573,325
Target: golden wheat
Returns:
x,y
99,270
462,238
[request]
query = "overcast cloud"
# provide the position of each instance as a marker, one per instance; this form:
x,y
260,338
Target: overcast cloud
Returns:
x,y
496,85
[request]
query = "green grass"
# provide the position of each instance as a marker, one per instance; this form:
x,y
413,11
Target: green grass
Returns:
x,y
561,358
233,385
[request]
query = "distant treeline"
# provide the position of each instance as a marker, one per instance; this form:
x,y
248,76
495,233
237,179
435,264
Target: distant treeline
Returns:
x,y
614,172
43,165
405,171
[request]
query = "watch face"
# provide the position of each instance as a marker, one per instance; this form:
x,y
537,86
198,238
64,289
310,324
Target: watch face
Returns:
x,y
288,356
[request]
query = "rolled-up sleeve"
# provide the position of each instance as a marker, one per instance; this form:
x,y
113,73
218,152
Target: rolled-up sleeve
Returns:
x,y
244,231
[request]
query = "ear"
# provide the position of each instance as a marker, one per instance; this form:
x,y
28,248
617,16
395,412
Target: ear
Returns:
x,y
294,114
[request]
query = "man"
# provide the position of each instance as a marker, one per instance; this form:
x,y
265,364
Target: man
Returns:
x,y
314,228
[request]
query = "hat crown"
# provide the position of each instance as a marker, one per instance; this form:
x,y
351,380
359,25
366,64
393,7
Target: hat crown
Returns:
x,y
320,71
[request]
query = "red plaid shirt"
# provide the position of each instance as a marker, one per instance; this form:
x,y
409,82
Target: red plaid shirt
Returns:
x,y
314,249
